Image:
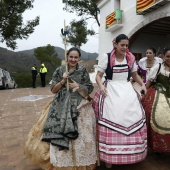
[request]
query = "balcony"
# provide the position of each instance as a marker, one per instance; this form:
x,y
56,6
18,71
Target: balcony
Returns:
x,y
114,21
145,6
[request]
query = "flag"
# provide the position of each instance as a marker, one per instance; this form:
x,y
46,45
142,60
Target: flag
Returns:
x,y
143,4
110,19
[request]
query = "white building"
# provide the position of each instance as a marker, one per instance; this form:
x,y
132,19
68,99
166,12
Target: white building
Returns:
x,y
145,22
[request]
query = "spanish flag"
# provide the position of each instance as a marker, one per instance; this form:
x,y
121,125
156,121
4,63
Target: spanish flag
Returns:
x,y
110,19
143,4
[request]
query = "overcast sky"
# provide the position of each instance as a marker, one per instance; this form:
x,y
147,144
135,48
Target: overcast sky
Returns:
x,y
48,31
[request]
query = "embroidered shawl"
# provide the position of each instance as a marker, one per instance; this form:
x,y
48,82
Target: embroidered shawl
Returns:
x,y
61,123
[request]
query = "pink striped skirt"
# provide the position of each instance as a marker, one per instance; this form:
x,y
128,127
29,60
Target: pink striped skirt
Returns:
x,y
117,148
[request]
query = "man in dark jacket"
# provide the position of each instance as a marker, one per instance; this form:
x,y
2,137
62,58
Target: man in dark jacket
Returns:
x,y
34,75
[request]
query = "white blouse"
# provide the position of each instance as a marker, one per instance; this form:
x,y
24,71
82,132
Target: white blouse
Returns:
x,y
103,62
142,62
154,70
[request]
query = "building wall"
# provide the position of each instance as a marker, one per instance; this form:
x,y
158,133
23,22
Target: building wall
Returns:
x,y
131,24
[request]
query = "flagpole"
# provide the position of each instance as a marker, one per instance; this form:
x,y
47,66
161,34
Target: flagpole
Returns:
x,y
67,86
65,54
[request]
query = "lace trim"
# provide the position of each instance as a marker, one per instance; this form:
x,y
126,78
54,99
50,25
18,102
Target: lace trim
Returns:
x,y
85,145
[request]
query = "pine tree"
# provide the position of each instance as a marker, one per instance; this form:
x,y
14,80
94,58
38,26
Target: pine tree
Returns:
x,y
12,26
83,8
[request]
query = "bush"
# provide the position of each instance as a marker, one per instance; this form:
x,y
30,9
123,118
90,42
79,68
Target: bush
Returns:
x,y
23,79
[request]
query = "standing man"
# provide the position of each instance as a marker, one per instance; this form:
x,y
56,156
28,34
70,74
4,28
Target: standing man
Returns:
x,y
34,75
43,71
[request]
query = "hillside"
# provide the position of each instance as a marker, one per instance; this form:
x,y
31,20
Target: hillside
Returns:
x,y
60,52
22,61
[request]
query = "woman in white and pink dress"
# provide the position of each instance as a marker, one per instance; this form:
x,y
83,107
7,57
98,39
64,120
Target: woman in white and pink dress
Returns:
x,y
146,63
121,119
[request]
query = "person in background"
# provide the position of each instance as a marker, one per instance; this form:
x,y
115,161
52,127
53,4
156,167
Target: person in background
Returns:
x,y
146,63
160,55
34,75
121,119
156,103
43,72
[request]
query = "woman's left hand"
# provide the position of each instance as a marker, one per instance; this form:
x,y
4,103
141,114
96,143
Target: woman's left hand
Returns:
x,y
73,84
143,90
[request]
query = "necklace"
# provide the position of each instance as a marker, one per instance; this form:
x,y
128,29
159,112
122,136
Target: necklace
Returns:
x,y
120,60
149,64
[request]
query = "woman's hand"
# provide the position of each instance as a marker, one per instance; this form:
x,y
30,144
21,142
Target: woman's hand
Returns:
x,y
103,91
143,89
65,75
73,85
102,88
138,79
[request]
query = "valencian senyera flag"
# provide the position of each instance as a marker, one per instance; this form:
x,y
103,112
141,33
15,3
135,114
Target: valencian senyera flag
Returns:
x,y
141,5
110,19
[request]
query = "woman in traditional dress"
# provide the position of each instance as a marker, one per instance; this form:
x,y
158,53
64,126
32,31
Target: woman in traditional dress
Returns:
x,y
146,63
68,137
121,118
157,105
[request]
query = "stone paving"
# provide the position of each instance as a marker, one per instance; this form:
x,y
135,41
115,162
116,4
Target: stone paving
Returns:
x,y
19,109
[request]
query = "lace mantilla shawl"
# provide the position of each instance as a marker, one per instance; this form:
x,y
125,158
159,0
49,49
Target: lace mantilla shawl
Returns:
x,y
61,123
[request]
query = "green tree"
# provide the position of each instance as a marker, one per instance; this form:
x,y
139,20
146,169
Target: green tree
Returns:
x,y
47,54
12,26
83,8
78,33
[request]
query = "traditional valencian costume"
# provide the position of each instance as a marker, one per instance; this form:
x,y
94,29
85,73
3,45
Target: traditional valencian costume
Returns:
x,y
121,118
67,127
143,69
157,106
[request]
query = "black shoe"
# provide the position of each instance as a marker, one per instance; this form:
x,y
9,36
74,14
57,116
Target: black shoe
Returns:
x,y
108,165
